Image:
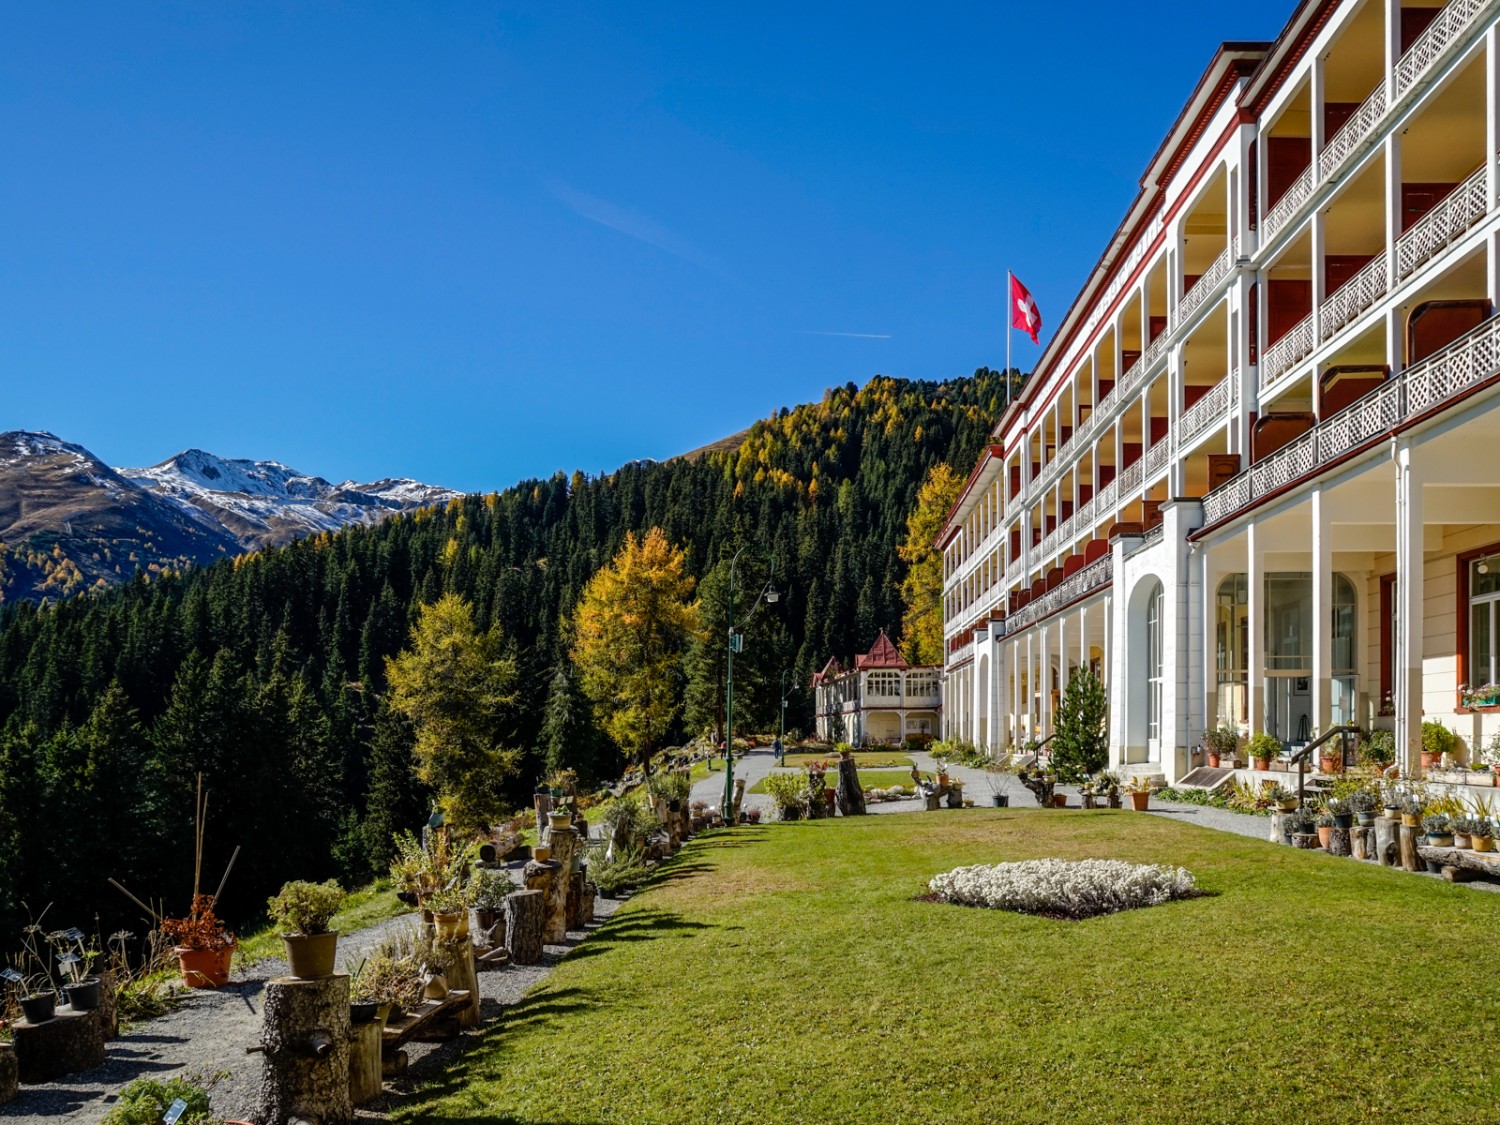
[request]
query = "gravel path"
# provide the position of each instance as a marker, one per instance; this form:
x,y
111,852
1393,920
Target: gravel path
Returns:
x,y
206,1035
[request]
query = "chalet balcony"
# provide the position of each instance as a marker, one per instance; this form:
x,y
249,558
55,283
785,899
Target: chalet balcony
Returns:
x,y
1354,297
1445,224
1351,137
1287,352
1430,47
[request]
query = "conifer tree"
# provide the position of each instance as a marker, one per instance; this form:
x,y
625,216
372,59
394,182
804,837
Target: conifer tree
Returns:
x,y
1080,741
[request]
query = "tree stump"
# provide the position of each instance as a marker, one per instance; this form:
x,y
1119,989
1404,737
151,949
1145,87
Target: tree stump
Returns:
x,y
304,1037
586,908
525,912
934,802
955,797
1362,843
10,1073
364,1062
739,798
1388,841
109,1019
463,972
1338,841
576,883
564,846
1410,838
1279,833
1040,788
850,798
67,1043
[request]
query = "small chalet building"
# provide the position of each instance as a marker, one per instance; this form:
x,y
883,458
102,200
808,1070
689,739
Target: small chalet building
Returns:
x,y
883,699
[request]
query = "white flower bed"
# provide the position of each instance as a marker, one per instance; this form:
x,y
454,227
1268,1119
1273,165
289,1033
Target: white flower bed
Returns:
x,y
1064,888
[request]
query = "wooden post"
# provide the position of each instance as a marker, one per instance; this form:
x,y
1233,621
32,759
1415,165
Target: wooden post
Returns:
x,y
850,798
1362,842
525,912
10,1073
364,1062
1388,840
304,1037
109,1020
739,798
1278,827
67,1043
1410,838
463,973
564,844
1338,841
586,909
575,900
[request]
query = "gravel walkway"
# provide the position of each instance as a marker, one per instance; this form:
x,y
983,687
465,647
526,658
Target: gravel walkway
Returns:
x,y
206,1035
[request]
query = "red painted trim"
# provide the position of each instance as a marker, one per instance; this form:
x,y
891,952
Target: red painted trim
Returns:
x,y
1285,53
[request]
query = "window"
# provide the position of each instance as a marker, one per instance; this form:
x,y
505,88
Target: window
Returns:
x,y
1232,629
883,685
1484,616
1155,624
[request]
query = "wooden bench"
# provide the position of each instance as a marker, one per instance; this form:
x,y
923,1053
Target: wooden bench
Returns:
x,y
429,1019
1460,865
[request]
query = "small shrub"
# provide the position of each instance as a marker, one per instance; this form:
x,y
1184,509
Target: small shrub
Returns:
x,y
306,908
1059,888
146,1100
1264,746
1436,738
624,869
788,791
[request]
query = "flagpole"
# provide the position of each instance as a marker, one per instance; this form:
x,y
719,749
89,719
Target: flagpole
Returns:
x,y
1008,327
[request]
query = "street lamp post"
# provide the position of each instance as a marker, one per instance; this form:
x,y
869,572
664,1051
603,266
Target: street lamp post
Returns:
x,y
781,734
736,639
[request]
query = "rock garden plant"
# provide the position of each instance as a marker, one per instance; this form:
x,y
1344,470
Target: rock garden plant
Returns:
x,y
1059,888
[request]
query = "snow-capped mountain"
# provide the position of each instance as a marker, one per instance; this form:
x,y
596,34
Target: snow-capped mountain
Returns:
x,y
68,521
265,503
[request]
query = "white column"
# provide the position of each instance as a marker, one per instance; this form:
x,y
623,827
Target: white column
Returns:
x,y
1410,588
1002,680
1210,653
1062,651
1392,203
1322,601
1317,100
1492,107
1044,705
1255,663
1030,693
1083,637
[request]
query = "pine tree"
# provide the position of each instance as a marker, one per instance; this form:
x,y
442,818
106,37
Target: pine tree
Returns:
x,y
1080,742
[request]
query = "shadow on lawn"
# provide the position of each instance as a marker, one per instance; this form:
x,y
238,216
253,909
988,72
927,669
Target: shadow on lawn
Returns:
x,y
641,925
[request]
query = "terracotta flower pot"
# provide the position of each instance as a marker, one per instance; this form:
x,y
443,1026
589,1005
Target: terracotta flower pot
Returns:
x,y
204,968
311,956
1060,800
1461,840
1140,802
1263,763
1323,834
1411,821
447,924
1213,761
1429,760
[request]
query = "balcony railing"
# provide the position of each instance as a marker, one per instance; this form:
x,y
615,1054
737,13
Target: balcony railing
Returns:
x,y
1158,457
1205,285
1287,352
1353,297
1353,133
1435,40
1468,361
1096,574
1287,206
1443,225
1208,411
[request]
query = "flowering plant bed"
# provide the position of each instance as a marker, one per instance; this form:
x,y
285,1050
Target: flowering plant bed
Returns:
x,y
1059,888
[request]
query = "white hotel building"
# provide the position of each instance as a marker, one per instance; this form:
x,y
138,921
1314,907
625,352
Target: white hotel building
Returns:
x,y
1255,477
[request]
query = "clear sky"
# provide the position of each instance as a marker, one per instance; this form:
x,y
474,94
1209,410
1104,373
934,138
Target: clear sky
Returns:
x,y
474,242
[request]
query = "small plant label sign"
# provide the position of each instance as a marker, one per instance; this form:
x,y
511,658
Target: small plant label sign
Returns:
x,y
174,1111
10,976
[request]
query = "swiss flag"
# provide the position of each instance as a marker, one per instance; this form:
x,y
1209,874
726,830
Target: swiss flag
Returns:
x,y
1023,311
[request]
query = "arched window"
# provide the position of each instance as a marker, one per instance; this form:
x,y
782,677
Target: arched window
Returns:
x,y
1155,637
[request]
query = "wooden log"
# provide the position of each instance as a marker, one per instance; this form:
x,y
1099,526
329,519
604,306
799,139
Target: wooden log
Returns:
x,y
1279,833
850,798
1362,843
590,897
67,1043
1338,841
525,911
365,1064
463,973
1409,840
1458,874
10,1073
934,802
1388,841
109,1005
304,1037
575,900
555,926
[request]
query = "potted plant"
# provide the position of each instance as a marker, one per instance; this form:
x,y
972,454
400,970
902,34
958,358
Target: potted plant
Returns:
x,y
941,767
1342,813
1324,822
1277,796
998,778
1412,809
1264,747
303,912
1220,743
1364,802
1139,789
76,962
1439,830
487,891
1303,830
435,960
450,913
204,946
1482,833
1462,832
1437,740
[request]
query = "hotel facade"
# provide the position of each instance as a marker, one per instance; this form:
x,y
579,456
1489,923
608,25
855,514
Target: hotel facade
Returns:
x,y
1254,478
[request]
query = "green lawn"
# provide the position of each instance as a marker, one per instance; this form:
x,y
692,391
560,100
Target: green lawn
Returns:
x,y
784,972
362,908
868,779
863,759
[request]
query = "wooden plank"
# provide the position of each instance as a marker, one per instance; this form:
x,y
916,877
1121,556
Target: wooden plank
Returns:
x,y
399,1032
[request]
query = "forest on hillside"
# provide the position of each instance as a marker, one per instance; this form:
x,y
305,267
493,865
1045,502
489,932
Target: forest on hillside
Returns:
x,y
267,674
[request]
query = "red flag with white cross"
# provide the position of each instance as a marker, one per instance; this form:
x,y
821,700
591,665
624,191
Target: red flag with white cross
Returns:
x,y
1023,310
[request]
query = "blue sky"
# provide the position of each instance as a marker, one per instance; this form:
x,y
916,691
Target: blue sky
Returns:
x,y
472,242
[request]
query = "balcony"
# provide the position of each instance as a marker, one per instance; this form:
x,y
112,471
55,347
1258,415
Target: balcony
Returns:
x,y
1464,364
1287,352
1194,297
1354,133
1443,225
1352,298
1423,55
1092,577
1287,206
1208,412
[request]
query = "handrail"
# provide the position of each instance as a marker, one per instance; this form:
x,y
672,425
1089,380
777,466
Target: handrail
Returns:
x,y
1346,731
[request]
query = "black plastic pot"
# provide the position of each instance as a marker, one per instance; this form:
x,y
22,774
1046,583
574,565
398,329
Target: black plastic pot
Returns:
x,y
1002,800
39,1008
1343,820
362,1011
83,995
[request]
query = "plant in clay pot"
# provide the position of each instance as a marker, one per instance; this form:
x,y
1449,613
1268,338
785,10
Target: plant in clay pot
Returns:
x,y
303,912
1437,740
1439,830
1263,748
1482,835
1220,744
203,944
1280,797
487,891
1139,790
1364,802
1412,809
1340,810
450,912
75,962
